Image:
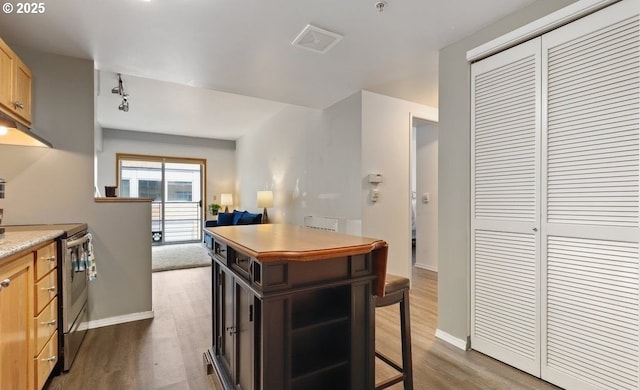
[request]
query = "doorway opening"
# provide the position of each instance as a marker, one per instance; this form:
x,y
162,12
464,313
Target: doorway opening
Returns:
x,y
176,186
424,194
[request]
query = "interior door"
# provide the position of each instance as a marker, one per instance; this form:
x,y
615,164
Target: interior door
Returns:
x,y
505,156
591,267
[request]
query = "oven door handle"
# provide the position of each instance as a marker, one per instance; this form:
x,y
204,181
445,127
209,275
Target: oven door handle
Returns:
x,y
79,241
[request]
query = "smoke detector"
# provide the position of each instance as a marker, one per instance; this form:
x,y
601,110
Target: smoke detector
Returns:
x,y
316,39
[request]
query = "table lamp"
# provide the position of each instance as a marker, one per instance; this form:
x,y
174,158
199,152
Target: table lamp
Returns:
x,y
265,199
226,200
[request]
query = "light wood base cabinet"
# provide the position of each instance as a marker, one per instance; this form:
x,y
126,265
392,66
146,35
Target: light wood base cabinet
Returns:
x,y
16,316
28,318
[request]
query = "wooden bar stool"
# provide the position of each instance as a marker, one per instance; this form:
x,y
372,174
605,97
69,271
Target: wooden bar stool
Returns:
x,y
396,290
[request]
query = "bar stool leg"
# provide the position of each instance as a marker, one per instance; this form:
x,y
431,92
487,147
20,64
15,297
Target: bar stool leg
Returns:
x,y
405,325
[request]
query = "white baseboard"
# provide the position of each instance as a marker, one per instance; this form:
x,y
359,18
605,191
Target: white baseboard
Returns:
x,y
456,342
119,319
428,267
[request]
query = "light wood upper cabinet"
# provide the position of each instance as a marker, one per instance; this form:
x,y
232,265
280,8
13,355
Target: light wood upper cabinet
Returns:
x,y
7,59
15,85
22,91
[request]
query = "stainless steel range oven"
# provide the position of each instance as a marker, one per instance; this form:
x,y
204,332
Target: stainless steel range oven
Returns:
x,y
75,252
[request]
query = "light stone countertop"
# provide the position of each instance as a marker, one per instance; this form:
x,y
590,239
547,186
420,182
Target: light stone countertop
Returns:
x,y
15,242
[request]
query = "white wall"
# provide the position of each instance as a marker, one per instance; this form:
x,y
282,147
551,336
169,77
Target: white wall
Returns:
x,y
427,181
219,154
274,157
309,158
386,149
333,161
56,185
454,161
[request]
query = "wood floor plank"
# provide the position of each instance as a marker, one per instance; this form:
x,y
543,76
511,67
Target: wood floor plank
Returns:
x,y
165,353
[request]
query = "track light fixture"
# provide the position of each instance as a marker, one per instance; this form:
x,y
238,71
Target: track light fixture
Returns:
x,y
124,106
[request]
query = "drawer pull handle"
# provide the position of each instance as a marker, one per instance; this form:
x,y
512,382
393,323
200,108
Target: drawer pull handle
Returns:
x,y
49,359
50,289
5,283
18,104
52,322
50,258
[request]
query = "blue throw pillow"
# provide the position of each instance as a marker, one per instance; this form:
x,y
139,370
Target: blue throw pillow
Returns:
x,y
237,215
245,220
255,218
225,219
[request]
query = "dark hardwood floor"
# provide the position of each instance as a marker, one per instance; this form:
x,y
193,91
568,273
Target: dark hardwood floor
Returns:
x,y
166,352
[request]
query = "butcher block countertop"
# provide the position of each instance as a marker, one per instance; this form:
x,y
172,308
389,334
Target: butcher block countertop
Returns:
x,y
12,242
283,242
278,242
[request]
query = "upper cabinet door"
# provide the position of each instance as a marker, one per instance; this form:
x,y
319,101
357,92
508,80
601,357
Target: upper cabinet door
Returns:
x,y
15,85
7,59
22,91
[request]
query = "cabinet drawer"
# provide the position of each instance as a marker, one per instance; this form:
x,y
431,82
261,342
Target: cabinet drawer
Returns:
x,y
220,250
45,361
45,260
46,289
44,325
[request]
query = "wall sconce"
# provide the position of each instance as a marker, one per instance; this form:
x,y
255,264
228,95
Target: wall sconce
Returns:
x,y
124,106
265,199
226,200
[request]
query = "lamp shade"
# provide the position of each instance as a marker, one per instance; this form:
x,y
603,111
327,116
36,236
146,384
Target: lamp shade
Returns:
x,y
226,199
265,199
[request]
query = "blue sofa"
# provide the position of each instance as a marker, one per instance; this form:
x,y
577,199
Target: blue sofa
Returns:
x,y
235,218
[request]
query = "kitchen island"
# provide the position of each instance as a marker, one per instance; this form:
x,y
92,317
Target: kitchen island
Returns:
x,y
293,307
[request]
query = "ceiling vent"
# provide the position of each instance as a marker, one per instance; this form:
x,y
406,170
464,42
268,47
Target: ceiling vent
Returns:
x,y
316,39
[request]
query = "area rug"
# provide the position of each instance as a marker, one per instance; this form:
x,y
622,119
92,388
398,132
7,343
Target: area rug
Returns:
x,y
177,256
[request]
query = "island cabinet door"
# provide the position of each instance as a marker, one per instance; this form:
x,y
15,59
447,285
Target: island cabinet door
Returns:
x,y
245,357
236,315
226,321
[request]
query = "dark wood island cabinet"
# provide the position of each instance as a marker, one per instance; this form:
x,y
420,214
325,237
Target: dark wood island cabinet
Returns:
x,y
293,308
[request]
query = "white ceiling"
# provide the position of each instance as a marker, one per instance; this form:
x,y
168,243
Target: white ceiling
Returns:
x,y
237,54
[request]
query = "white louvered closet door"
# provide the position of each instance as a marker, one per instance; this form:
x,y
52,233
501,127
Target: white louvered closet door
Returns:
x,y
591,268
505,316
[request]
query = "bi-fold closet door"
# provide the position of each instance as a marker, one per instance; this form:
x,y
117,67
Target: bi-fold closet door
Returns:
x,y
555,225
